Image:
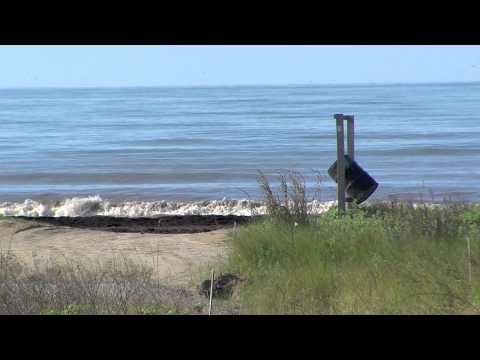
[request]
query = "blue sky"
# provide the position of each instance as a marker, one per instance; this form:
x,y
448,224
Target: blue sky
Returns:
x,y
86,66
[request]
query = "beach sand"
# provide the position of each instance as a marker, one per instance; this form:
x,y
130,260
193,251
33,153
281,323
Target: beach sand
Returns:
x,y
174,256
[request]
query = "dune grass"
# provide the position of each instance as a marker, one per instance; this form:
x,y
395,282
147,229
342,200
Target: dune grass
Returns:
x,y
116,287
390,258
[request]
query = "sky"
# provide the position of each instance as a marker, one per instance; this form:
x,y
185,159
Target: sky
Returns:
x,y
135,65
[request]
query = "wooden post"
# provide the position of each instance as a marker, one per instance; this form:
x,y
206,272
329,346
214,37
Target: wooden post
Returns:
x,y
350,145
211,293
350,136
469,263
340,163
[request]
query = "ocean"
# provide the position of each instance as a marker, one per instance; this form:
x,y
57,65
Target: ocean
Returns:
x,y
171,147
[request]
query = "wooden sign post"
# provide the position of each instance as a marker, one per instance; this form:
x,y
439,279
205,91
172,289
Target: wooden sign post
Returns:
x,y
340,118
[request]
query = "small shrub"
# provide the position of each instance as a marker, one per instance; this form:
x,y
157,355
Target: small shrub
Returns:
x,y
472,216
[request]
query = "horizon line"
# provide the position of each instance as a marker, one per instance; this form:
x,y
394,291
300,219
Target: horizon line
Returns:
x,y
237,85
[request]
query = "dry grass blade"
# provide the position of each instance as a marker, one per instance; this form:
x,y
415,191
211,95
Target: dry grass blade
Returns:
x,y
118,287
290,202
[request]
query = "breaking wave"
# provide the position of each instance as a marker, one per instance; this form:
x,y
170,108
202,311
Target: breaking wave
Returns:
x,y
96,206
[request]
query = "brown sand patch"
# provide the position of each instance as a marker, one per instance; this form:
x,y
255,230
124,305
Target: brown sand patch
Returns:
x,y
174,256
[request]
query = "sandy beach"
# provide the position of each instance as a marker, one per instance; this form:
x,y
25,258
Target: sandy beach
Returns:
x,y
174,255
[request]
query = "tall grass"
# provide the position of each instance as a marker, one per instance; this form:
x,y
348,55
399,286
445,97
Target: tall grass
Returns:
x,y
394,258
289,203
118,287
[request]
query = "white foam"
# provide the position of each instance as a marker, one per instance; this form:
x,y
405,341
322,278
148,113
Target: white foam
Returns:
x,y
95,205
88,206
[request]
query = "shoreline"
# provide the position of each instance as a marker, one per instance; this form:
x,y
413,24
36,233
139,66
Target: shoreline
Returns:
x,y
184,223
95,206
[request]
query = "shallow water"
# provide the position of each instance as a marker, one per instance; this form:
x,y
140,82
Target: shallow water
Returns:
x,y
206,143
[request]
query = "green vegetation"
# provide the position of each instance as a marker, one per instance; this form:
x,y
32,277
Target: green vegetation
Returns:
x,y
71,309
391,258
472,216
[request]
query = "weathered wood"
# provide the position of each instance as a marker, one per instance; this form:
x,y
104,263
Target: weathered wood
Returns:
x,y
469,261
350,136
350,145
340,163
211,293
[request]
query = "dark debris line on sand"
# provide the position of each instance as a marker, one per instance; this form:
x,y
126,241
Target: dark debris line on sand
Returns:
x,y
161,225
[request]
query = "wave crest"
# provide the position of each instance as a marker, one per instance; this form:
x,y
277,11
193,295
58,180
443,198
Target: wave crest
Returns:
x,y
96,206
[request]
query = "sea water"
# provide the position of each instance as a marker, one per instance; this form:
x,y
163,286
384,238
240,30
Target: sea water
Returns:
x,y
152,151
